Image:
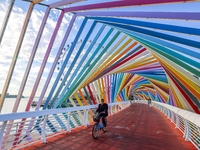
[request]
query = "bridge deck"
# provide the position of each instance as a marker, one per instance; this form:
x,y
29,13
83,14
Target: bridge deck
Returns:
x,y
135,128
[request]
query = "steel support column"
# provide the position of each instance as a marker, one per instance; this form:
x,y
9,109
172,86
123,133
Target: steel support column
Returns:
x,y
14,59
3,28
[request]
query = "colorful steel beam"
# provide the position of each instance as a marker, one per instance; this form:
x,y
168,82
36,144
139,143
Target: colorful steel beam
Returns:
x,y
134,58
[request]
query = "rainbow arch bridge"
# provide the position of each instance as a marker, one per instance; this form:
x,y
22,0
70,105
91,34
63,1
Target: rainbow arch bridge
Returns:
x,y
108,49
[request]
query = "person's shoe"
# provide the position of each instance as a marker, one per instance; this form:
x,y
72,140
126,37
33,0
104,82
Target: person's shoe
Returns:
x,y
104,131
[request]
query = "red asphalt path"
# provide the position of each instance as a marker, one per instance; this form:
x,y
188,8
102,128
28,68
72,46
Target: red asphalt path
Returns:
x,y
138,127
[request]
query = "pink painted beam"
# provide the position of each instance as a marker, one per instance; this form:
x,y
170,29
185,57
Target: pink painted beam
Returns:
x,y
146,68
31,58
120,4
63,2
55,62
44,61
51,71
39,76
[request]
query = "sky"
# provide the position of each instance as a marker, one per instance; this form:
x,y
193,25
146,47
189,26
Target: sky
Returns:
x,y
11,37
14,27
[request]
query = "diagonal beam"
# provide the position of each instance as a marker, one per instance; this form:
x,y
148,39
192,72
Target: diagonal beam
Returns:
x,y
44,61
23,83
14,59
82,61
168,37
54,64
37,1
121,3
39,76
59,101
63,2
66,61
69,71
31,61
175,47
90,69
6,19
8,16
155,15
161,26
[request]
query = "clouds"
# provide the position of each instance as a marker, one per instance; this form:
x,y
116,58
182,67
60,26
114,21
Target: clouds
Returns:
x,y
11,37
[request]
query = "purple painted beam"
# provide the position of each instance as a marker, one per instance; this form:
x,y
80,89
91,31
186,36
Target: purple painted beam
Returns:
x,y
63,2
120,4
51,71
44,61
17,136
157,15
31,58
55,61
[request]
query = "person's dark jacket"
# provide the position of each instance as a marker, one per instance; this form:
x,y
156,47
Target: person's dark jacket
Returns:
x,y
102,108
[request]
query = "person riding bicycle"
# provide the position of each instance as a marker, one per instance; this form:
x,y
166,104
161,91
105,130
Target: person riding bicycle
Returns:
x,y
149,102
103,109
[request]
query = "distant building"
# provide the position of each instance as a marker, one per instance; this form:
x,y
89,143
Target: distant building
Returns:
x,y
11,96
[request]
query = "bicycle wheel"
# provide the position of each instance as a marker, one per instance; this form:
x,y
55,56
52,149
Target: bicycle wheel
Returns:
x,y
95,131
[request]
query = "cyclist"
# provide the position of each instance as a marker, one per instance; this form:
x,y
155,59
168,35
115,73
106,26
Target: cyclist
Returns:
x,y
103,109
149,102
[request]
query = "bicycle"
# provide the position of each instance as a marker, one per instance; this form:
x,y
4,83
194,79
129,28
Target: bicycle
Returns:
x,y
97,126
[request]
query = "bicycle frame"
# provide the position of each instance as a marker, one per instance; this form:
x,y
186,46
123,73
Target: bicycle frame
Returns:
x,y
95,130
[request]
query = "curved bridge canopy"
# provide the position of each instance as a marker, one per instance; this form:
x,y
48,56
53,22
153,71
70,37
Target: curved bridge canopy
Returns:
x,y
116,54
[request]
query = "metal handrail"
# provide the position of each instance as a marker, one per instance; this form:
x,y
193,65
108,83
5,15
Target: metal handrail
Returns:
x,y
54,121
20,115
187,122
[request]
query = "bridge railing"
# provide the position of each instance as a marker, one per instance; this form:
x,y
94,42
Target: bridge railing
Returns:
x,y
17,132
187,122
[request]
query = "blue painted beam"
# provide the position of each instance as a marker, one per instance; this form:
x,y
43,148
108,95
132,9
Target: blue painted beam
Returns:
x,y
65,62
85,67
82,61
173,28
73,63
158,35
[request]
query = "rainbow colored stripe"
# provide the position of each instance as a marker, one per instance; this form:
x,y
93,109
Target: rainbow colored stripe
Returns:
x,y
144,66
126,58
